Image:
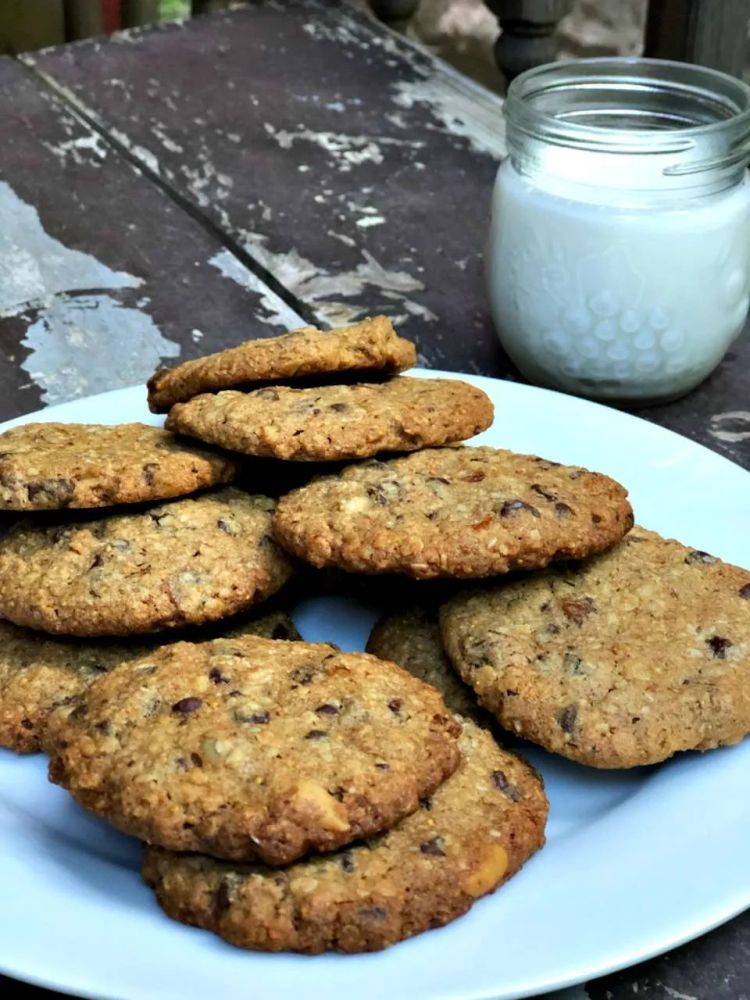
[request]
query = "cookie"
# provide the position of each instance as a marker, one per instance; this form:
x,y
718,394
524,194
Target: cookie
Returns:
x,y
54,466
412,639
620,661
469,837
335,422
369,346
456,512
39,675
180,563
253,748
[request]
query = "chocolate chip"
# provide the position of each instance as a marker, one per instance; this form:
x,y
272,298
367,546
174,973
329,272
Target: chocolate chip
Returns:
x,y
567,718
382,766
697,556
578,610
96,562
563,510
148,472
316,734
745,591
596,519
547,494
719,646
346,863
431,515
253,718
216,676
377,495
60,491
196,759
372,912
511,506
104,727
302,675
338,407
395,705
27,724
326,710
501,783
187,705
572,663
338,793
433,847
222,900
426,803
280,631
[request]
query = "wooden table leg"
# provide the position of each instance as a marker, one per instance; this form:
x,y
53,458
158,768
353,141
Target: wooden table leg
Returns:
x,y
528,32
701,31
394,10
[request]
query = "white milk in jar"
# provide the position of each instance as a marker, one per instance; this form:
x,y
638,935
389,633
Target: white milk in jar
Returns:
x,y
618,262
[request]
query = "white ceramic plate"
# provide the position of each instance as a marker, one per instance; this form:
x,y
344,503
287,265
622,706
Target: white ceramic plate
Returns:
x,y
636,861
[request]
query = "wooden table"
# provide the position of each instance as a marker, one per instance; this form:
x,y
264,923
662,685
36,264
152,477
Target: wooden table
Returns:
x,y
172,191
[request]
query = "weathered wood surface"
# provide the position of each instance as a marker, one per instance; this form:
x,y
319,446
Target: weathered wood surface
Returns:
x,y
350,165
101,274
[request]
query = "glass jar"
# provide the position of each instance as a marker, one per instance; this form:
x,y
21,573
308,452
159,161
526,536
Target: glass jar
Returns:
x,y
618,262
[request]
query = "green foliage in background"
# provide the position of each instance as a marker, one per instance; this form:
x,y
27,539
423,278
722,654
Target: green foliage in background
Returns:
x,y
171,9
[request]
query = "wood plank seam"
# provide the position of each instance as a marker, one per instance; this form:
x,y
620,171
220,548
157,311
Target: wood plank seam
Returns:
x,y
75,107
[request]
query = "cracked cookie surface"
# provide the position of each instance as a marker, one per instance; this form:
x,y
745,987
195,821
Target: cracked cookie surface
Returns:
x,y
39,674
254,748
58,466
336,422
176,564
619,661
370,345
468,838
455,512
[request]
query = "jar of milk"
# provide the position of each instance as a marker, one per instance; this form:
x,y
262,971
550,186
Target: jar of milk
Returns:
x,y
619,251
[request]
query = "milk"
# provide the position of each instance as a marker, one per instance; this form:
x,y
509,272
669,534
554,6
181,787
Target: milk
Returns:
x,y
595,295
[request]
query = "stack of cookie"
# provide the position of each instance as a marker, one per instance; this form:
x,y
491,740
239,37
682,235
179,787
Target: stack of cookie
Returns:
x,y
126,530
292,797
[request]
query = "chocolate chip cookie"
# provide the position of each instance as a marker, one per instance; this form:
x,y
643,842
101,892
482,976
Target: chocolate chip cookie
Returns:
x,y
369,346
455,512
621,660
412,639
39,675
54,466
335,422
252,748
179,563
469,837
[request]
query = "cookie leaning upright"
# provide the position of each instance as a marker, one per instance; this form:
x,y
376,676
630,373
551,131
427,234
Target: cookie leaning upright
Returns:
x,y
179,563
371,345
455,512
412,639
56,466
250,747
469,837
620,661
335,422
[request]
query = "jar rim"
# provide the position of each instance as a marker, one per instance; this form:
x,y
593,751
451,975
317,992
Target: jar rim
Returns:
x,y
635,105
